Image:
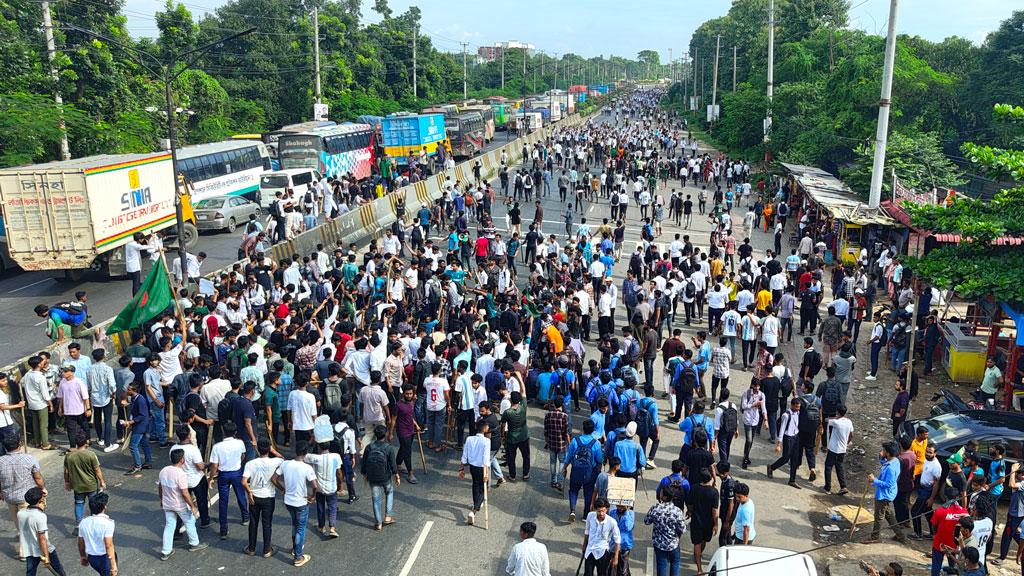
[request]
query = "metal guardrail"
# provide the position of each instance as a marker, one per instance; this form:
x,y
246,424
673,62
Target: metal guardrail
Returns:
x,y
365,222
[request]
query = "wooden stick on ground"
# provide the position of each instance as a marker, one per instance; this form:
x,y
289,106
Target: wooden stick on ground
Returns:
x,y
859,508
487,509
423,458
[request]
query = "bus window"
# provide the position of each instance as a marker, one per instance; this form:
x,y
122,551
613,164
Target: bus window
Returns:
x,y
302,178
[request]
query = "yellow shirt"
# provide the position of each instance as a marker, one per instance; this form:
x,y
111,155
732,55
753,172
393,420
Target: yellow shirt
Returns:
x,y
918,448
716,268
763,299
734,289
555,337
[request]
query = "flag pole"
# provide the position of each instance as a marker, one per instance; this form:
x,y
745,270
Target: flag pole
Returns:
x,y
184,335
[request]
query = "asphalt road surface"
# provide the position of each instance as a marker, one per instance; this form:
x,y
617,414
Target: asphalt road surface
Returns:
x,y
430,537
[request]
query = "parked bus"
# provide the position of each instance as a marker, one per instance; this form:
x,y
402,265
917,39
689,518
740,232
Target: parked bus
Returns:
x,y
229,168
271,138
466,133
501,113
406,135
333,150
488,116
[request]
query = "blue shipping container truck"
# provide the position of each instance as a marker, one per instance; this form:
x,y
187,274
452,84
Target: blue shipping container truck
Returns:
x,y
406,135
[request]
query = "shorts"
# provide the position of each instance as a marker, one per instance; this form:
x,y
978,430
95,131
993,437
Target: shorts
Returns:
x,y
699,534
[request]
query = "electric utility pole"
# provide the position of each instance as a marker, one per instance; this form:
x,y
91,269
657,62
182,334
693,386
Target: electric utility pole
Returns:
x,y
415,92
316,51
882,132
733,68
714,81
465,93
51,54
771,75
503,68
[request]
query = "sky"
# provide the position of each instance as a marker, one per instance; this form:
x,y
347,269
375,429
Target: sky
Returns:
x,y
611,27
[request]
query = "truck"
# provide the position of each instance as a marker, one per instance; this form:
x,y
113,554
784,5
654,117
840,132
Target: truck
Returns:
x,y
406,135
76,215
533,121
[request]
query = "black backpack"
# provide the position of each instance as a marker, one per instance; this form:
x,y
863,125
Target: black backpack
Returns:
x,y
730,420
378,465
226,407
560,386
644,422
832,395
582,463
691,289
814,366
686,381
679,495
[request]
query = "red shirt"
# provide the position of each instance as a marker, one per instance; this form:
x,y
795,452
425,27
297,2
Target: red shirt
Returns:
x,y
945,521
342,349
481,246
805,280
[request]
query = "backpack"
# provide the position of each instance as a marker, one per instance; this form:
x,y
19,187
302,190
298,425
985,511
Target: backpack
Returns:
x,y
582,463
691,289
237,359
831,395
647,232
322,430
637,318
308,198
632,409
72,313
183,407
815,364
810,412
730,420
226,407
680,495
633,352
644,423
560,386
322,293
378,466
333,397
686,380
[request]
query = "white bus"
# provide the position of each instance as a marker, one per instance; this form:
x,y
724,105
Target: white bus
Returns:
x,y
229,168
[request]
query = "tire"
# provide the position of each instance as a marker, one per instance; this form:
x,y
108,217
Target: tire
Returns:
x,y
232,225
191,236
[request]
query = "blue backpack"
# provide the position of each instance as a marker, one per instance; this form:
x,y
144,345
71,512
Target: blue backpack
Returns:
x,y
582,463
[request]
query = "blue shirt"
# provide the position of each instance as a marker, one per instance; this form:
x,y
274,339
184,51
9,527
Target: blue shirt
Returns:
x,y
598,418
629,454
651,407
578,443
885,483
745,517
687,426
996,471
625,527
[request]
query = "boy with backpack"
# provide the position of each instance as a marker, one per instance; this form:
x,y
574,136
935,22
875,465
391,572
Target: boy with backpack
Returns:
x,y
585,456
647,427
684,383
727,416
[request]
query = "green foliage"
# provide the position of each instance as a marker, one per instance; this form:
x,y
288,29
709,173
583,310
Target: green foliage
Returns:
x,y
917,159
975,272
249,85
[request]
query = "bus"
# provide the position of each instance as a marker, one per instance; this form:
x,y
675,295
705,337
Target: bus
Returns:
x,y
271,138
466,133
229,168
487,113
501,112
333,150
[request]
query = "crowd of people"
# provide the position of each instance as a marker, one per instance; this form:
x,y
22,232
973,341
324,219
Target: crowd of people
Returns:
x,y
293,376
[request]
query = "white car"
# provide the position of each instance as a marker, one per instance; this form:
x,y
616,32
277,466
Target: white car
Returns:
x,y
298,179
740,560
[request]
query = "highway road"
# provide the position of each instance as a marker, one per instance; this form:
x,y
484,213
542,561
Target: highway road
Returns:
x,y
21,291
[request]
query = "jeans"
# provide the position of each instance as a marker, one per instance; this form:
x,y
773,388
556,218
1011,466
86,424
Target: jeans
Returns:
x,y
597,566
749,352
170,527
495,470
326,509
261,511
510,451
555,460
902,506
833,459
648,376
382,494
588,493
32,564
748,439
299,515
715,383
80,499
922,512
786,328
137,441
76,424
937,558
101,421
420,410
225,482
655,439
435,426
898,355
773,422
724,443
157,426
404,456
668,562
876,349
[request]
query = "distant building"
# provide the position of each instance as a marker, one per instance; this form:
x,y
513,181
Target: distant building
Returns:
x,y
490,53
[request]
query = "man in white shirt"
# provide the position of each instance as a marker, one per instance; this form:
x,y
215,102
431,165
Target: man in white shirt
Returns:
x,y
528,557
96,536
302,405
601,540
476,454
256,478
840,433
226,466
298,482
194,467
438,408
133,259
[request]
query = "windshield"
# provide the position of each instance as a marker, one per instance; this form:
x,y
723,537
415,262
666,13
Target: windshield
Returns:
x,y
274,181
947,427
211,203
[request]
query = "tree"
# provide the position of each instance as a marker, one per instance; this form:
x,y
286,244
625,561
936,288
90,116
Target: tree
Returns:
x,y
916,157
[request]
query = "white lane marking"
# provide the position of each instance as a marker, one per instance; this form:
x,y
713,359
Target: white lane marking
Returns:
x,y
416,549
40,323
214,498
651,562
31,285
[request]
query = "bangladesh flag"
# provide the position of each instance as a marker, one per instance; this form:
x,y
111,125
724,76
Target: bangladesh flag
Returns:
x,y
152,298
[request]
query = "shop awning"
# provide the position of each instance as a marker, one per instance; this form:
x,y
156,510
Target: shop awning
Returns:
x,y
897,212
835,197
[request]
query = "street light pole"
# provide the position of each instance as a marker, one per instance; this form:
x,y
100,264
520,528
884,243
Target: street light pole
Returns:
x,y
167,71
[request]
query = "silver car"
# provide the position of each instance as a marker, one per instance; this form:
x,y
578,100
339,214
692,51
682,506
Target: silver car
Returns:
x,y
224,212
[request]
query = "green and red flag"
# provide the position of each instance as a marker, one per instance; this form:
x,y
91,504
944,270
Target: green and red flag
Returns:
x,y
153,297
